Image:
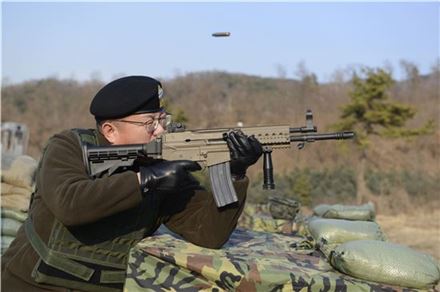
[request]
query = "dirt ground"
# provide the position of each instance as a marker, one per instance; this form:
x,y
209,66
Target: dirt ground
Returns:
x,y
419,230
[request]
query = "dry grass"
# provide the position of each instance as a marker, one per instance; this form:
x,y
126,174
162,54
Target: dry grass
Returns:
x,y
419,229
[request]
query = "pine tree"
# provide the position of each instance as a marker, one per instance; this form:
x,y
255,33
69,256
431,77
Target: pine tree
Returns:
x,y
372,112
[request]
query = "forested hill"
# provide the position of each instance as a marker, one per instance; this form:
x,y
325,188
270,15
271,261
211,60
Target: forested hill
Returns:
x,y
215,99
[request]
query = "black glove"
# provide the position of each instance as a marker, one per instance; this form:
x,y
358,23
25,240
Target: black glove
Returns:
x,y
245,151
168,176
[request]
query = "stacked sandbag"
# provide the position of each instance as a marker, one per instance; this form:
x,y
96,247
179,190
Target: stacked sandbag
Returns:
x,y
386,262
355,245
337,231
17,180
365,212
327,234
332,225
17,183
10,223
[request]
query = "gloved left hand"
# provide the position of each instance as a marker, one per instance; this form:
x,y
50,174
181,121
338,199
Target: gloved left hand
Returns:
x,y
245,151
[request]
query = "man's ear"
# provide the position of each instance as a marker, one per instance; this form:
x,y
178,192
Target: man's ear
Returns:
x,y
110,131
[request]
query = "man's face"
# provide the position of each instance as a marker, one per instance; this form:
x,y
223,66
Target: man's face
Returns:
x,y
139,128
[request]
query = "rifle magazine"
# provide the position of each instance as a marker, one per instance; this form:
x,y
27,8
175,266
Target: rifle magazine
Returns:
x,y
221,184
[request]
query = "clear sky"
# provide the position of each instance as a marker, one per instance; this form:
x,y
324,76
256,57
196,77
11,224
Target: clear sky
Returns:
x,y
105,40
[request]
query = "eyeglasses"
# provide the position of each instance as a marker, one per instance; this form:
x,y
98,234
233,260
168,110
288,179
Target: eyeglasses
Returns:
x,y
152,124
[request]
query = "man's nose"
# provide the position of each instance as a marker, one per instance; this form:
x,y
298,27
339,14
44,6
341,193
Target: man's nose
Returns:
x,y
159,130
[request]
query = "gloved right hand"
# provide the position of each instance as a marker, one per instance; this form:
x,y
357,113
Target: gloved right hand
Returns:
x,y
245,151
168,176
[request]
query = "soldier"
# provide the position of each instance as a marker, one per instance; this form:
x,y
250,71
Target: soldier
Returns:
x,y
80,229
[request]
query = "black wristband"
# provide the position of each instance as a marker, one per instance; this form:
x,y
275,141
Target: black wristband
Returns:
x,y
236,177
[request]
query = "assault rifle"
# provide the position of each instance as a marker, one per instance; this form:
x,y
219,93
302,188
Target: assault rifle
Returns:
x,y
208,147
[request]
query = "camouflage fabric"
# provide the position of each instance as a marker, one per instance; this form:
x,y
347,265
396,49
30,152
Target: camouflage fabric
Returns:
x,y
283,208
256,217
278,215
250,261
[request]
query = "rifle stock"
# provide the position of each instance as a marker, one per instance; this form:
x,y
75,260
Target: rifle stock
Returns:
x,y
209,148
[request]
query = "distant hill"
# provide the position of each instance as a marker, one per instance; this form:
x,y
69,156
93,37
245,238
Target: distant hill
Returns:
x,y
213,99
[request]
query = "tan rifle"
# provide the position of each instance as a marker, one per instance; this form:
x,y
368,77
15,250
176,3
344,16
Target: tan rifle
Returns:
x,y
209,148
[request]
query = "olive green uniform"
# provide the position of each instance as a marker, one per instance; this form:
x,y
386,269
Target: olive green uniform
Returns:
x,y
65,191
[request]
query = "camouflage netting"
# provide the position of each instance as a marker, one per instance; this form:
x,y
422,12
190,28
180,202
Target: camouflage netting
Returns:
x,y
250,261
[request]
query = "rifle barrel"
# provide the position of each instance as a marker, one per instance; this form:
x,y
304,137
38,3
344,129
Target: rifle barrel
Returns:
x,y
326,136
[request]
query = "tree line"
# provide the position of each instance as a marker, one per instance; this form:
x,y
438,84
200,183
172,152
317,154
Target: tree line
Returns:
x,y
220,99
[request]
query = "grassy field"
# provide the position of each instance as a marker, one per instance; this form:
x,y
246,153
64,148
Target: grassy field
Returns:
x,y
420,229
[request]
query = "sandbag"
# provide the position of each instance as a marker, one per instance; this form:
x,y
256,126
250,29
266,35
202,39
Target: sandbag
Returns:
x,y
21,173
11,221
7,159
16,202
387,263
8,189
13,214
336,231
6,242
365,212
10,226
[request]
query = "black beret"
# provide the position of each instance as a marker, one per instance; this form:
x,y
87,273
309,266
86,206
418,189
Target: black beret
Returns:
x,y
126,96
